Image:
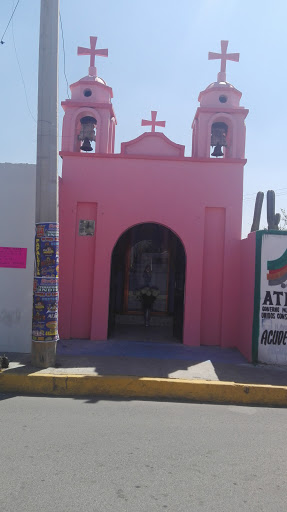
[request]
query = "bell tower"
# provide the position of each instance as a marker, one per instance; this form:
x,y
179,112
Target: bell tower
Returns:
x,y
89,120
218,129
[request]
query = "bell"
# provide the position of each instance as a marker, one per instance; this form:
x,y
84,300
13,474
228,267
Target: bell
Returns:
x,y
218,134
217,150
86,146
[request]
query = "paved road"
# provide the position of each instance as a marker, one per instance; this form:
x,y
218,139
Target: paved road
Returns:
x,y
65,454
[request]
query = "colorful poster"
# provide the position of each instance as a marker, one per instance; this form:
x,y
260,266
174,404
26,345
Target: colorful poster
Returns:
x,y
13,257
47,249
45,309
270,303
45,305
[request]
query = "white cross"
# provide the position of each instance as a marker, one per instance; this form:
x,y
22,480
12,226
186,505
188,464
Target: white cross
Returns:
x,y
92,52
153,123
223,56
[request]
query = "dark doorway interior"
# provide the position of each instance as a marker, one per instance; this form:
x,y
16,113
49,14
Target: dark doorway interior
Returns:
x,y
148,258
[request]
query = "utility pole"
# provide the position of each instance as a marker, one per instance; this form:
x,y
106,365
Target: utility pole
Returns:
x,y
43,353
47,126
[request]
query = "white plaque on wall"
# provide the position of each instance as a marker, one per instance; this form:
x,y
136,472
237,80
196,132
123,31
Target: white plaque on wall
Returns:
x,y
86,227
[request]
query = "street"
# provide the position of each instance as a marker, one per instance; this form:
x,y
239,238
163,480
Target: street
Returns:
x,y
97,455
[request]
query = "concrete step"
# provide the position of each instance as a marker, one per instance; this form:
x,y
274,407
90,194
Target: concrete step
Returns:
x,y
155,320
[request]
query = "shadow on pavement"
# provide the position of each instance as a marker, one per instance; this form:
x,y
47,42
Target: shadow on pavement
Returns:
x,y
157,360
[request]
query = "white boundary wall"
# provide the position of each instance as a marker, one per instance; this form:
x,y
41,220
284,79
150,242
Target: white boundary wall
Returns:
x,y
17,228
272,331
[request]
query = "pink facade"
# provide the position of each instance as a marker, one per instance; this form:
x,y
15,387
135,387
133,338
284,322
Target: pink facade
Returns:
x,y
198,198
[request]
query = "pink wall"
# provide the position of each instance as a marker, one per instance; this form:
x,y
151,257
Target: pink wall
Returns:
x,y
212,276
83,272
248,248
175,193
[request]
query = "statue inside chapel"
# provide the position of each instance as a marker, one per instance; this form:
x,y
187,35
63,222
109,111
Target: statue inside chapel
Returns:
x,y
147,275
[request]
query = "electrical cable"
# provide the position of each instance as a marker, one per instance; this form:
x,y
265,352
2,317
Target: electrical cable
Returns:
x,y
2,42
21,74
246,198
64,55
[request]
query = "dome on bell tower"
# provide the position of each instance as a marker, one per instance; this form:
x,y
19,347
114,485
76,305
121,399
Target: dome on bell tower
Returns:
x,y
221,94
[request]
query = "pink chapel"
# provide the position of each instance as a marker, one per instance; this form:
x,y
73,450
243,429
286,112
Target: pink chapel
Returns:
x,y
152,222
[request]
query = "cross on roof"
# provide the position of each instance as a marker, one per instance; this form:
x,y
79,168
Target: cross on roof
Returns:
x,y
92,52
223,56
153,123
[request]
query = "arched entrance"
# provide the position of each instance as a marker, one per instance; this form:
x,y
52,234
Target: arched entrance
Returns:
x,y
148,260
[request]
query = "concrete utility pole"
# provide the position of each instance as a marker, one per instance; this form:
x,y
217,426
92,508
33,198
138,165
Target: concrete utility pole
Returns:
x,y
44,353
47,128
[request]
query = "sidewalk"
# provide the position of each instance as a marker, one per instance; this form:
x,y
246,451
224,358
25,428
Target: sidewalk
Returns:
x,y
149,370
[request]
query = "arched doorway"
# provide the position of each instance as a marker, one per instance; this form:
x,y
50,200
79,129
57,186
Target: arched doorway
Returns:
x,y
148,258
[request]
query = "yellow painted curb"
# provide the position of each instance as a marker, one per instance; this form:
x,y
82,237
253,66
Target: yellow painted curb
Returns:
x,y
143,387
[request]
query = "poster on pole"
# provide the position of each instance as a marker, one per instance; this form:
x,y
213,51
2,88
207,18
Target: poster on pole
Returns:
x,y
46,294
45,309
47,249
270,300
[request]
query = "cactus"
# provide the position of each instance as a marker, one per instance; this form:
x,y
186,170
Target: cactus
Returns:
x,y
4,362
273,218
257,211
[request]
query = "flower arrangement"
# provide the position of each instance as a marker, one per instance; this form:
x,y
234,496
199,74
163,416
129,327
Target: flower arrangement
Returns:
x,y
147,295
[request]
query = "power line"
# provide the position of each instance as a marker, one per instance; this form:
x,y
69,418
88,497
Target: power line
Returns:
x,y
2,42
64,55
246,198
23,81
